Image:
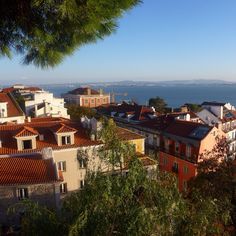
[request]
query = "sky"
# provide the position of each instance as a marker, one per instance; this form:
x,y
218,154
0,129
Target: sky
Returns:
x,y
157,40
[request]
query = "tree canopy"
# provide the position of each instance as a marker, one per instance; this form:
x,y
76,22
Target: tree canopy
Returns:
x,y
45,31
158,103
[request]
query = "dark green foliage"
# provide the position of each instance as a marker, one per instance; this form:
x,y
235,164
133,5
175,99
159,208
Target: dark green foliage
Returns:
x,y
158,103
37,220
76,112
194,107
45,31
131,205
216,184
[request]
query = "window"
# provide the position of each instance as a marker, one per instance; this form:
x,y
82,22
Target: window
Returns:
x,y
165,161
82,183
185,169
86,101
92,101
63,188
22,193
175,167
82,163
188,150
177,147
65,140
27,144
61,165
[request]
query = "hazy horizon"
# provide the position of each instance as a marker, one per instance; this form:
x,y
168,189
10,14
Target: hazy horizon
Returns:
x,y
158,40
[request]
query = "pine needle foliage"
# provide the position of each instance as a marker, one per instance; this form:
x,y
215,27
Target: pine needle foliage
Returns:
x,y
45,31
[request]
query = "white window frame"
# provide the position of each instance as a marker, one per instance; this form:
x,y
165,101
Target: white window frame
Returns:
x,y
82,183
63,188
67,139
177,145
61,165
188,150
185,169
22,193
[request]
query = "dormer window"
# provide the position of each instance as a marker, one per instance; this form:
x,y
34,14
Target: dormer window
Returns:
x,y
26,138
27,144
64,134
65,140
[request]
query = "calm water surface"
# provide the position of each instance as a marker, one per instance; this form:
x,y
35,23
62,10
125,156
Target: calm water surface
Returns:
x,y
175,96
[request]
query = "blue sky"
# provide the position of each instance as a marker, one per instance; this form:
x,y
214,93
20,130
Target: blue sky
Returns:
x,y
158,40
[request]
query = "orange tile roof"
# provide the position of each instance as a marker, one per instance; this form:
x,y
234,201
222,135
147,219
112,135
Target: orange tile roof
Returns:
x,y
22,170
126,134
9,144
188,129
84,91
62,128
26,131
12,108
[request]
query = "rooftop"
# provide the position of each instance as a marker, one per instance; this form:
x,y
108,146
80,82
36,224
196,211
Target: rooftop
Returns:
x,y
12,108
84,91
22,170
213,103
188,129
45,127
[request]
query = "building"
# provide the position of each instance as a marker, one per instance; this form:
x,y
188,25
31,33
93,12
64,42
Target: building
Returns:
x,y
181,146
87,97
10,111
73,148
43,104
38,103
224,116
151,128
28,177
131,113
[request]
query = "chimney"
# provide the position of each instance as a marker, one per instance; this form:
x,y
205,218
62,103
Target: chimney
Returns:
x,y
41,137
0,143
88,91
101,91
35,110
29,119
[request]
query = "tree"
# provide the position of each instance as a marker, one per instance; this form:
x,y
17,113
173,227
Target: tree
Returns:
x,y
158,103
193,107
215,182
76,111
115,152
45,31
131,205
37,220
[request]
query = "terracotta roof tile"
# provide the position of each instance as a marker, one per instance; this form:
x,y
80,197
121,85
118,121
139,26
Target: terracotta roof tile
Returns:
x,y
188,129
26,131
12,108
62,128
83,91
20,170
9,144
126,134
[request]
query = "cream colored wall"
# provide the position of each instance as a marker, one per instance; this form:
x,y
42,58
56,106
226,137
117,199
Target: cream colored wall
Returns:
x,y
139,144
17,119
58,137
73,173
20,143
208,143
